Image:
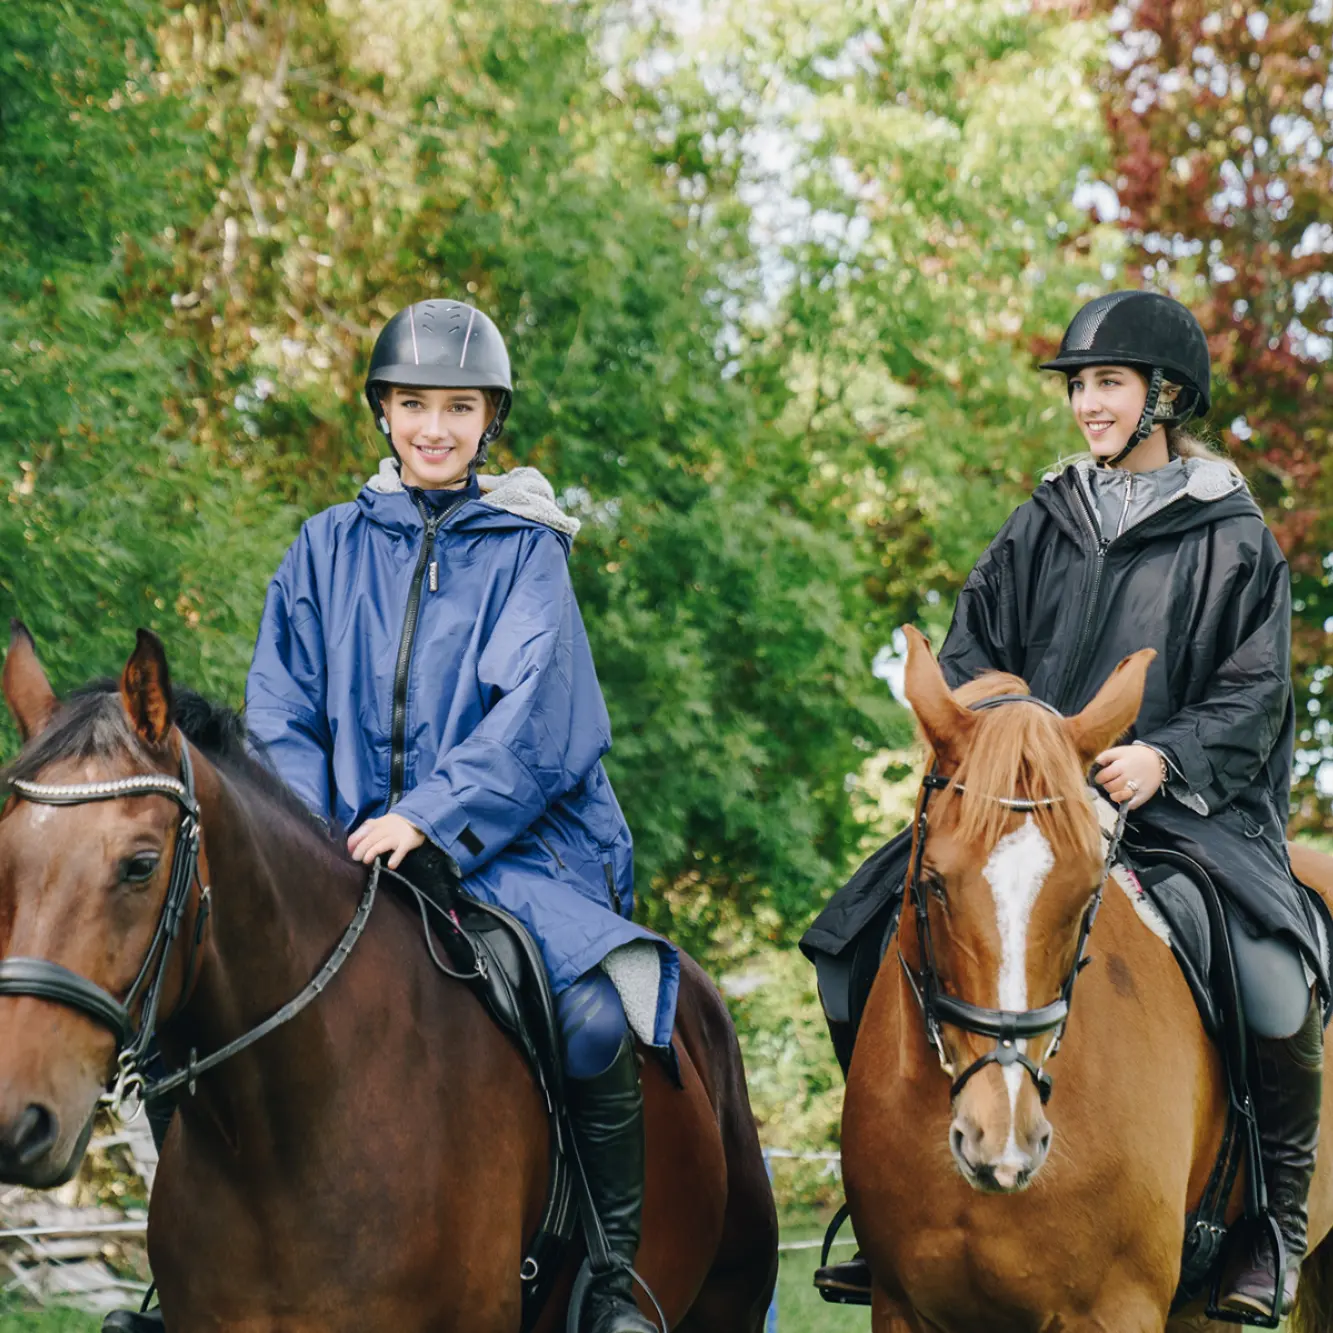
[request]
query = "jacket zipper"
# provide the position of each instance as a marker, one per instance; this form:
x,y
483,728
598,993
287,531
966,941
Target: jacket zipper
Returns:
x,y
1076,662
398,751
1124,513
1099,564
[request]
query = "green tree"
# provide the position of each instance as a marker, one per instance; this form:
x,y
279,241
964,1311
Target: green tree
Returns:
x,y
111,516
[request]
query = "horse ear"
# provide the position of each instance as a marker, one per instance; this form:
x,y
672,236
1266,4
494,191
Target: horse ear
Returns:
x,y
27,690
145,689
1114,708
946,723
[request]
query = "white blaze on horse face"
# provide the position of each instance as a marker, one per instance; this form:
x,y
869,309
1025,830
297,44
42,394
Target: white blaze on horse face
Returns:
x,y
1015,872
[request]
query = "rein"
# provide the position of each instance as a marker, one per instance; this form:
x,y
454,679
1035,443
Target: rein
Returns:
x,y
43,979
1007,1027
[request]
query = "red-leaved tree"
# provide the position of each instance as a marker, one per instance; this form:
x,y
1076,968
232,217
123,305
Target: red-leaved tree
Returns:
x,y
1220,114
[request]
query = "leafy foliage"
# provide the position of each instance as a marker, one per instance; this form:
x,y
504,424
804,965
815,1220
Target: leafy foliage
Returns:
x,y
298,174
1222,133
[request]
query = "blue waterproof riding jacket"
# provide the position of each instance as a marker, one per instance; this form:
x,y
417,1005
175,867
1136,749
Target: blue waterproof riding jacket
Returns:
x,y
444,660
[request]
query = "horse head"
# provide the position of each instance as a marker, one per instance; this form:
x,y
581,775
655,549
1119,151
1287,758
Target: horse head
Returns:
x,y
84,876
1003,885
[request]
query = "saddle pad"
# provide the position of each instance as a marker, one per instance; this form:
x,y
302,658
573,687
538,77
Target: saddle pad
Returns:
x,y
1172,907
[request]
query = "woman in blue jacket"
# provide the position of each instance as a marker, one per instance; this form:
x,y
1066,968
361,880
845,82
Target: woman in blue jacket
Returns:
x,y
422,674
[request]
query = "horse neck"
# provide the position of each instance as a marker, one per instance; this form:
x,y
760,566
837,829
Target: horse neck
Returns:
x,y
280,902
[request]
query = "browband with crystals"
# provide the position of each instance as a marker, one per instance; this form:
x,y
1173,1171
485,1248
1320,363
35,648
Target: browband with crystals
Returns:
x,y
1016,802
76,793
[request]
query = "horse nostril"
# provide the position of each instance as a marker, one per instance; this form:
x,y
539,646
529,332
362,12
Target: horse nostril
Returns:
x,y
32,1135
956,1141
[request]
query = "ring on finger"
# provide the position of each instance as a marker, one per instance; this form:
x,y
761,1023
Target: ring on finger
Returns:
x,y
1132,787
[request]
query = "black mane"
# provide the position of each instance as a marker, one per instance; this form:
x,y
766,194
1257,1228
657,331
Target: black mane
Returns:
x,y
92,724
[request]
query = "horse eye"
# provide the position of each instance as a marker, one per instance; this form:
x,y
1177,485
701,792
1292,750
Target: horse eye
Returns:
x,y
937,890
138,868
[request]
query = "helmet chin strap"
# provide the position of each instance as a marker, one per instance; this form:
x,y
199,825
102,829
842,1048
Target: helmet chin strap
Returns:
x,y
1148,420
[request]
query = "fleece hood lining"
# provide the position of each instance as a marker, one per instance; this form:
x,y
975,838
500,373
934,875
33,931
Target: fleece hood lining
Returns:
x,y
523,492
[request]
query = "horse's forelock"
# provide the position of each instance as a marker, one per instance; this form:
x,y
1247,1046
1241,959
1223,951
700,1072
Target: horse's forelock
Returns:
x,y
1021,753
90,724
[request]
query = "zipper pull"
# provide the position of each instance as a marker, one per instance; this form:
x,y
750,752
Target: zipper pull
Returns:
x,y
434,577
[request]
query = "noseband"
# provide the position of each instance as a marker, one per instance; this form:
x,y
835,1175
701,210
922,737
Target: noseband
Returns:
x,y
45,980
1007,1027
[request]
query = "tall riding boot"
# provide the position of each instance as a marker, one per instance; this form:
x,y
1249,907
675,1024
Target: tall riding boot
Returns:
x,y
1288,1086
608,1128
847,1283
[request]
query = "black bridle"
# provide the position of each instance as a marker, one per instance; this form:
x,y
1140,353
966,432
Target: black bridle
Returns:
x,y
43,979
1007,1027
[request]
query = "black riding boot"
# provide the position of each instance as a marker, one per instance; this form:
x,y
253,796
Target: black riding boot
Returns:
x,y
1288,1086
608,1128
847,1283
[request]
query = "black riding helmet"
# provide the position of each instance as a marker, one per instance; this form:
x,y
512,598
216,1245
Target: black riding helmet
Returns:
x,y
438,344
1155,335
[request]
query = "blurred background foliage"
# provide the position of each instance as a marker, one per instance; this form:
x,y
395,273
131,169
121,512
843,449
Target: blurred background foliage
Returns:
x,y
775,279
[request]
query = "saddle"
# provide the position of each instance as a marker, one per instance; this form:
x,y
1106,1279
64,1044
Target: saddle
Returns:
x,y
490,951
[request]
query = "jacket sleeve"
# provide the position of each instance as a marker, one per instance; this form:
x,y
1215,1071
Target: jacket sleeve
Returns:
x,y
984,634
285,690
545,727
1218,746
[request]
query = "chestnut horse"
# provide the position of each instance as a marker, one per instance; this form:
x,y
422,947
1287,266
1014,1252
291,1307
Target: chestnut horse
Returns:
x,y
378,1162
978,1212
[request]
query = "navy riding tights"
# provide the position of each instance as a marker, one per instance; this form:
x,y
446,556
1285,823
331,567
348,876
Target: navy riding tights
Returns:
x,y
592,1024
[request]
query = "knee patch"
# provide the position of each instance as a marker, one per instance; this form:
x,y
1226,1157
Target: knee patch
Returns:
x,y
592,1024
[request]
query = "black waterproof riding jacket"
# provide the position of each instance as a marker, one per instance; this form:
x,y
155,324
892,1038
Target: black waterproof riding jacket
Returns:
x,y
1201,580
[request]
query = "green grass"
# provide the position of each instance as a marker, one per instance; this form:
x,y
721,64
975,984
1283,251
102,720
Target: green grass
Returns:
x,y
800,1308
14,1318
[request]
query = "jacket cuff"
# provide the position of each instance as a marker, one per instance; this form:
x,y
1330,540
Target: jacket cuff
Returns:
x,y
447,828
1175,785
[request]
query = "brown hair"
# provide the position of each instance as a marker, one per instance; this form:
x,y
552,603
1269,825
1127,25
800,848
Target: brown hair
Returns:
x,y
1183,443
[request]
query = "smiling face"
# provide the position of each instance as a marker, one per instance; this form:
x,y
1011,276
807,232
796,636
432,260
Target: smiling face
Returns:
x,y
1107,402
437,433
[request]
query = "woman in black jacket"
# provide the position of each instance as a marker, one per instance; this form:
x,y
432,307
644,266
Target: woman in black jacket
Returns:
x,y
1150,540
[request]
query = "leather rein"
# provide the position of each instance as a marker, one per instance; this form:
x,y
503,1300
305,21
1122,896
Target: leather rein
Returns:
x,y
1007,1027
43,979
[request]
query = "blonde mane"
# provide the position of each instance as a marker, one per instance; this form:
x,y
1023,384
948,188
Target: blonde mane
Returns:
x,y
1022,754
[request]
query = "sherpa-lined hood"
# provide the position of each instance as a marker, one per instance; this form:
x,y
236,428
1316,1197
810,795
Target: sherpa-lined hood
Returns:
x,y
524,493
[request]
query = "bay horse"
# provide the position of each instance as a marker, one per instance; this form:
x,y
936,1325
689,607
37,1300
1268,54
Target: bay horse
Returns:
x,y
378,1162
987,1210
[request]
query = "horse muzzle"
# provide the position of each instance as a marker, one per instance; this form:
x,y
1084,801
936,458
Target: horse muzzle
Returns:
x,y
38,1150
1008,1170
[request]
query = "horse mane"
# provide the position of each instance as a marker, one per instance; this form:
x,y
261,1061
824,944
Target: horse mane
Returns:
x,y
1025,754
91,723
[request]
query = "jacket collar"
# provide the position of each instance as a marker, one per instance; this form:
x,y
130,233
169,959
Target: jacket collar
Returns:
x,y
523,494
1212,492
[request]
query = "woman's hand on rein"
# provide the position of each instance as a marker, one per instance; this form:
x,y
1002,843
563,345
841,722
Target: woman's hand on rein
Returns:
x,y
389,835
1130,773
